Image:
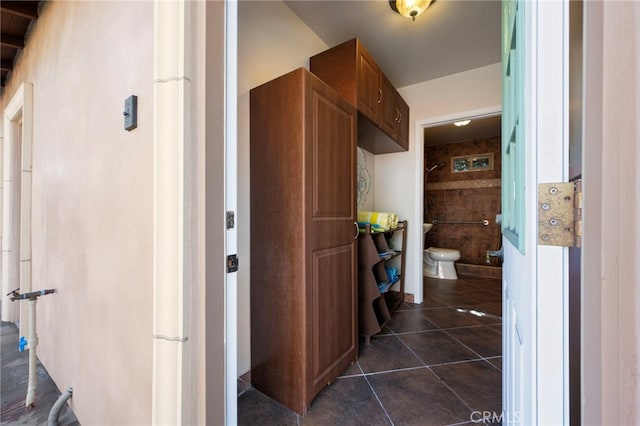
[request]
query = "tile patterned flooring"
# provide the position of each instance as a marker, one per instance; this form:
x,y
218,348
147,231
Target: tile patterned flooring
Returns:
x,y
435,363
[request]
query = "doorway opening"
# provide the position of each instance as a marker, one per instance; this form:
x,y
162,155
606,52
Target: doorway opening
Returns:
x,y
16,203
462,195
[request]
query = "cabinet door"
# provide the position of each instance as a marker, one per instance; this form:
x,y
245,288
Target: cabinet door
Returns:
x,y
332,263
394,114
369,91
389,115
402,129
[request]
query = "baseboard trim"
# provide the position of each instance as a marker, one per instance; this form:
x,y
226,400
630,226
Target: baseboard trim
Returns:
x,y
479,270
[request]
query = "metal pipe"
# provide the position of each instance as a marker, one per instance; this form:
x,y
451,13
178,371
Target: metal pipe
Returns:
x,y
480,222
16,295
55,410
435,166
31,345
32,342
495,253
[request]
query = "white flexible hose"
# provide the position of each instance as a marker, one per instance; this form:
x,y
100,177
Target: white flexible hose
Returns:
x,y
32,343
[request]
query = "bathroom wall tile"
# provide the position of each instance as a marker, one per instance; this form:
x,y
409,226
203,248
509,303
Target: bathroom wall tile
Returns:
x,y
444,153
451,196
472,196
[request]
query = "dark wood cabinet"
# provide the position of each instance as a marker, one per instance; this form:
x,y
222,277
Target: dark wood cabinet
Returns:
x,y
402,135
394,114
381,265
352,72
369,92
303,237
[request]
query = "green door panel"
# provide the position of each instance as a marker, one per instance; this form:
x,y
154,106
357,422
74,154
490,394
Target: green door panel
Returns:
x,y
513,213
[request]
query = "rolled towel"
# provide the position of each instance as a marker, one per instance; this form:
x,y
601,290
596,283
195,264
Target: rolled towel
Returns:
x,y
384,220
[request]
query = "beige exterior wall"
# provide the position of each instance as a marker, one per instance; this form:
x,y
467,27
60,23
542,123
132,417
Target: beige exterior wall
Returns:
x,y
92,203
614,223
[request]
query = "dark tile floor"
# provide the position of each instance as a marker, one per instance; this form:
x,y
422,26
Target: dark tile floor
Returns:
x,y
436,363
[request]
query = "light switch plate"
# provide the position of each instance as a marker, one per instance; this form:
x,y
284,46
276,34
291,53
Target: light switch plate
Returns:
x,y
131,112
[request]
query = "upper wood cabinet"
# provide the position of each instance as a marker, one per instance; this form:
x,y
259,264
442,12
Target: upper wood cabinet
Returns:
x,y
351,71
369,91
394,114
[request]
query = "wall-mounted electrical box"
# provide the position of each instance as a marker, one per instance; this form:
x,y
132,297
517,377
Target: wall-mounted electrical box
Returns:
x,y
130,112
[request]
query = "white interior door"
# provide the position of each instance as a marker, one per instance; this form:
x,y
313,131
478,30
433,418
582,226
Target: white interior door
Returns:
x,y
534,151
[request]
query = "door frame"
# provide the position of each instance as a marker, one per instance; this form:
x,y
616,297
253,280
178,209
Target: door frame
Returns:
x,y
535,281
193,336
610,265
16,198
419,165
231,205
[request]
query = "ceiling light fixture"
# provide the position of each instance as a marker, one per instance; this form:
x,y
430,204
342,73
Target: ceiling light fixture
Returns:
x,y
410,8
462,123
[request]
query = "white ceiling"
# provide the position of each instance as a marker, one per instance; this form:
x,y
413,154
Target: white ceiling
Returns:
x,y
483,128
452,36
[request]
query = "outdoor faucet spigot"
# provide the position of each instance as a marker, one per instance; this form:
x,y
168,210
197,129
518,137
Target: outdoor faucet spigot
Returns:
x,y
32,295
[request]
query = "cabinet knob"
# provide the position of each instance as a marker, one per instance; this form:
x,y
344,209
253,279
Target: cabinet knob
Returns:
x,y
398,116
355,237
379,95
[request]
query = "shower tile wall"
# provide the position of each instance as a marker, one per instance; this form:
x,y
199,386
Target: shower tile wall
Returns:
x,y
467,196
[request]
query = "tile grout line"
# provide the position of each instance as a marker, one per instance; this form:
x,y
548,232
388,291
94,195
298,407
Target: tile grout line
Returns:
x,y
376,373
452,391
481,358
439,329
431,370
445,331
457,340
377,398
406,310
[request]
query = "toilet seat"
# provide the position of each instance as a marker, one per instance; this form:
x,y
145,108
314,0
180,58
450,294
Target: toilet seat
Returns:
x,y
438,253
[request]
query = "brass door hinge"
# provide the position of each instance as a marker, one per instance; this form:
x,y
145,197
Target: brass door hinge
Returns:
x,y
560,214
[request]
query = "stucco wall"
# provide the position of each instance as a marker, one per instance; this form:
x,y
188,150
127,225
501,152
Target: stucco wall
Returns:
x,y
92,203
618,216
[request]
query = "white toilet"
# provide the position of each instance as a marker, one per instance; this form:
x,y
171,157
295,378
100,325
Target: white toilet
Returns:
x,y
438,262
